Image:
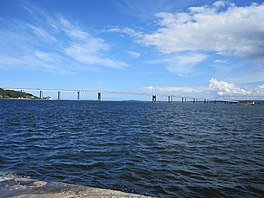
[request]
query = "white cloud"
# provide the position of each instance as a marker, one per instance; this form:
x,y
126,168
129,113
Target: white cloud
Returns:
x,y
134,54
46,57
73,31
216,89
220,61
224,89
185,64
54,44
128,31
87,49
219,4
261,87
38,61
181,64
41,32
260,90
223,28
89,53
229,89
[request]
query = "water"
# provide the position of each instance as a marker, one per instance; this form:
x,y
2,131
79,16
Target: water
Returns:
x,y
162,150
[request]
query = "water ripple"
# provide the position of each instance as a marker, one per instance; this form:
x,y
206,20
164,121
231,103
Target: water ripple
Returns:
x,y
163,150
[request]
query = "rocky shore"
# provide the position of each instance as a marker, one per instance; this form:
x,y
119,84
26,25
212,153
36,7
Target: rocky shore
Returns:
x,y
20,187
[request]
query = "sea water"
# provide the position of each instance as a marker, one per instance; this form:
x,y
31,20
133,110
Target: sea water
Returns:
x,y
162,149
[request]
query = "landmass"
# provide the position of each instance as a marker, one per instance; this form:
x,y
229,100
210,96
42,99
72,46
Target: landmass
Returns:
x,y
20,187
11,94
251,103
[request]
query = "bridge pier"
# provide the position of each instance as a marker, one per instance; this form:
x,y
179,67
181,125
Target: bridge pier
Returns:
x,y
154,98
193,100
58,95
99,96
78,95
182,99
169,99
40,94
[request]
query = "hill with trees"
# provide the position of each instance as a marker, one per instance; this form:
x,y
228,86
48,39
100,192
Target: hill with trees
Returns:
x,y
5,94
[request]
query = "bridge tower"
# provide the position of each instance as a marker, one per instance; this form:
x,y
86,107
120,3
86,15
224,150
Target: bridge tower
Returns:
x,y
169,99
59,95
99,96
40,94
154,98
78,95
154,94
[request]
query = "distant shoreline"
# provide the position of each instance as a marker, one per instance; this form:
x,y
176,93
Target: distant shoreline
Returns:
x,y
21,99
258,104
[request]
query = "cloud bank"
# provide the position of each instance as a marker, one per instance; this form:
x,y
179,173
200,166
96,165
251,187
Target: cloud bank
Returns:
x,y
227,89
215,89
222,27
230,90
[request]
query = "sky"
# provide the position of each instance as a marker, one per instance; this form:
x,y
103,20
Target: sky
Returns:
x,y
199,48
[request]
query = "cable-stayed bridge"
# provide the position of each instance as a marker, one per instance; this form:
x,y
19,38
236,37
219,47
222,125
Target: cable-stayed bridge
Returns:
x,y
153,96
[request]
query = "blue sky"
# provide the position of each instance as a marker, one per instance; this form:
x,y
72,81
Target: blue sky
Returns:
x,y
197,48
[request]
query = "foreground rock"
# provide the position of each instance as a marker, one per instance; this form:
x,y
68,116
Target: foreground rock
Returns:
x,y
19,187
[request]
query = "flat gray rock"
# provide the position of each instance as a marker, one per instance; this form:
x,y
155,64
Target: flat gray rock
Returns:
x,y
19,187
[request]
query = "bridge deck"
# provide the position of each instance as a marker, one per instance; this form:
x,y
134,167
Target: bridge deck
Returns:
x,y
195,99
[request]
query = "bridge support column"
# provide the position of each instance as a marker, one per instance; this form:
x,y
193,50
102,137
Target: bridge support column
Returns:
x,y
193,100
182,99
204,101
154,98
40,94
78,95
99,96
169,99
59,95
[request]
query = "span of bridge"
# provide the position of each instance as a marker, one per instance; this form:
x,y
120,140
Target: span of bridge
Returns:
x,y
100,92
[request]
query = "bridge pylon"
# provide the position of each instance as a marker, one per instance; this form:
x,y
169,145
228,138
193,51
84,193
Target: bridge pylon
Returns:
x,y
154,98
78,95
99,96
